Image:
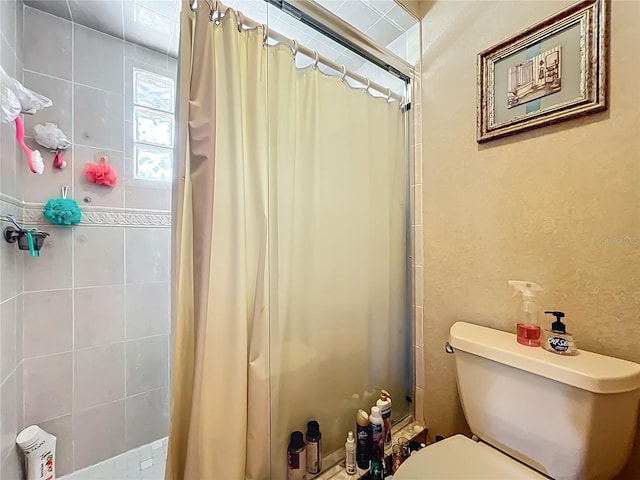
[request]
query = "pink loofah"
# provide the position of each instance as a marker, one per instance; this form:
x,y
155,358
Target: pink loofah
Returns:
x,y
101,173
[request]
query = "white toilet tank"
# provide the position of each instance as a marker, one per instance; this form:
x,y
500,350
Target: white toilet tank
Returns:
x,y
567,417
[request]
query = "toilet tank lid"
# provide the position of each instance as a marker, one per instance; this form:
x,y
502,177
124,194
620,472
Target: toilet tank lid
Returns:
x,y
587,371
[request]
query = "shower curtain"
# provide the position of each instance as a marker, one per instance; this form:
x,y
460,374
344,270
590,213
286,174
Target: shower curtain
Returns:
x,y
288,254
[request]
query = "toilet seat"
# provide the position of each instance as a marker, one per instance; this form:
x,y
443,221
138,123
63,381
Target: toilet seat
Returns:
x,y
460,458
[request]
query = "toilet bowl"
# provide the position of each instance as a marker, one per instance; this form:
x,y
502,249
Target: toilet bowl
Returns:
x,y
537,415
460,458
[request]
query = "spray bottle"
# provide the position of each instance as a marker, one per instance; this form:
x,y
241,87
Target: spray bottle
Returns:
x,y
528,329
350,454
363,439
39,449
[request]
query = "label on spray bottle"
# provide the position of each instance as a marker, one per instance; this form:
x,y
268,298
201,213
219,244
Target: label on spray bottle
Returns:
x,y
377,438
350,462
296,465
313,457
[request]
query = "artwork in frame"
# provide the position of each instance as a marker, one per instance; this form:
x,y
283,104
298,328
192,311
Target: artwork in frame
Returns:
x,y
552,71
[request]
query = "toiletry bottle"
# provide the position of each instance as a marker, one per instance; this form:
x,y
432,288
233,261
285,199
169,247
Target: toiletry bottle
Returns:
x,y
377,434
314,447
557,340
39,449
528,330
363,434
350,454
296,457
384,404
377,470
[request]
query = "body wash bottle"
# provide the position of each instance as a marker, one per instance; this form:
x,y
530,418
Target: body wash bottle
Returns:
x,y
557,340
384,404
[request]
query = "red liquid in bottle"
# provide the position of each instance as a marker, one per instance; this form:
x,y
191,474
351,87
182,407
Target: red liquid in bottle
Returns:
x,y
528,334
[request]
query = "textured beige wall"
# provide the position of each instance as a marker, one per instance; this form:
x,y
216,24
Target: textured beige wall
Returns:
x,y
559,205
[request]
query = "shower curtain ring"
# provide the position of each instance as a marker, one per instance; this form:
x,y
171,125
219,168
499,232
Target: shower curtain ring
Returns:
x,y
218,11
265,33
388,94
343,77
295,49
239,20
316,57
368,85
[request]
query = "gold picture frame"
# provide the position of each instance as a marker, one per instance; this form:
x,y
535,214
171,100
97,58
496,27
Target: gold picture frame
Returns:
x,y
550,72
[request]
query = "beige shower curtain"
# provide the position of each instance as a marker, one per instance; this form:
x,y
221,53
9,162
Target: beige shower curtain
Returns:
x,y
289,253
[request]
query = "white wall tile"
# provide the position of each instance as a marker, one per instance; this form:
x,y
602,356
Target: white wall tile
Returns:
x,y
59,92
91,448
147,364
98,256
104,74
53,268
147,311
47,387
48,53
47,323
147,257
98,326
98,376
146,417
61,427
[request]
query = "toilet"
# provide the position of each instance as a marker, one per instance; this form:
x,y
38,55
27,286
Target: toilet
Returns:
x,y
533,414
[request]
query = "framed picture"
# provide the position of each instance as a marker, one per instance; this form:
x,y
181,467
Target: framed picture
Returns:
x,y
550,72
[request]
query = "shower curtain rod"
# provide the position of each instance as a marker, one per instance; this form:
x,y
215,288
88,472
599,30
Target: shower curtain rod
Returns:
x,y
218,10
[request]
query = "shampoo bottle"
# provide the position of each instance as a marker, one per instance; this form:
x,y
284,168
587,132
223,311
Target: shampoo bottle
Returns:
x,y
384,404
557,340
296,457
314,446
350,454
528,330
39,449
363,434
377,434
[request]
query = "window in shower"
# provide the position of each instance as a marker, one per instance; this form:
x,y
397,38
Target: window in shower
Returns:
x,y
153,125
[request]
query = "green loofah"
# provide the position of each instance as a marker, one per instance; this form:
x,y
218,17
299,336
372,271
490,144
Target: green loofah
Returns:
x,y
62,211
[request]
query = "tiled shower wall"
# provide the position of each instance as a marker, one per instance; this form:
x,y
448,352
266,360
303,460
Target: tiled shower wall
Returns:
x,y
11,417
93,310
418,247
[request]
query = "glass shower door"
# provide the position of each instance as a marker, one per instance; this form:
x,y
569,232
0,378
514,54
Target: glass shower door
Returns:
x,y
339,330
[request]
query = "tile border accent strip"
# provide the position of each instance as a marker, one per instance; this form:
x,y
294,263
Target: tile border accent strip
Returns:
x,y
10,205
92,216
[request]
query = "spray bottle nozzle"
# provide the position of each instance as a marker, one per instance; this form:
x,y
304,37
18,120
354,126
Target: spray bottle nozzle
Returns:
x,y
557,326
526,288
